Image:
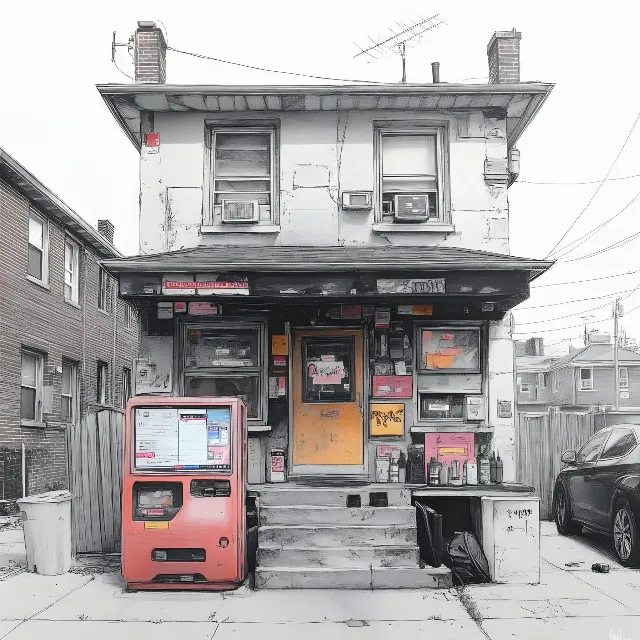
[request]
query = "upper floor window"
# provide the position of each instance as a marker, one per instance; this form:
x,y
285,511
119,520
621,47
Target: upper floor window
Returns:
x,y
410,177
69,392
129,316
543,380
103,290
554,380
623,377
38,248
31,386
102,392
71,270
586,379
242,176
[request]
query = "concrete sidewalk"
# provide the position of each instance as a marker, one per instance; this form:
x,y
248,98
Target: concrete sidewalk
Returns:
x,y
571,601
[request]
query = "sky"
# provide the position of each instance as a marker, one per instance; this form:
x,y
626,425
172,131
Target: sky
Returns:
x,y
53,121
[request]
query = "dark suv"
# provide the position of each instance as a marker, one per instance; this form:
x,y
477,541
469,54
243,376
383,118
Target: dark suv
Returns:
x,y
600,487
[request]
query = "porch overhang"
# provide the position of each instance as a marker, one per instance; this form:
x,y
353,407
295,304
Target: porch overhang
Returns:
x,y
445,276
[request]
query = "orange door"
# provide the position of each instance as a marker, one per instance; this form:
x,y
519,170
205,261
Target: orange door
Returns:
x,y
328,397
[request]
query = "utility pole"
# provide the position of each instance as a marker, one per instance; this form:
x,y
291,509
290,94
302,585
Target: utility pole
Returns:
x,y
617,312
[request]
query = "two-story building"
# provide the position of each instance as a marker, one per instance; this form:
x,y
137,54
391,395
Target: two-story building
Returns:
x,y
338,256
67,343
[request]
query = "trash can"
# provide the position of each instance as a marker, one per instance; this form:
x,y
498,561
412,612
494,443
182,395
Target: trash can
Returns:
x,y
47,531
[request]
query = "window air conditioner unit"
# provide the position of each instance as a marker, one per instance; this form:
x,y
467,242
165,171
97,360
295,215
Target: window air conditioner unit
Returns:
x,y
412,207
240,210
586,385
356,200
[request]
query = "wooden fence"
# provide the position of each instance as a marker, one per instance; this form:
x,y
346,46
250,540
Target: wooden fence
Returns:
x,y
95,479
540,441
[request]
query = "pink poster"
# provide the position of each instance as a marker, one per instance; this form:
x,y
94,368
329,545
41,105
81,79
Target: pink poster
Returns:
x,y
218,455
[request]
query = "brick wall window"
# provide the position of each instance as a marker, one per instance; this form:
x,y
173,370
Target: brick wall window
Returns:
x,y
102,394
126,386
31,386
69,397
37,264
71,270
103,290
129,316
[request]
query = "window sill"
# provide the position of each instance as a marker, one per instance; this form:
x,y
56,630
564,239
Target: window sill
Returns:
x,y
71,303
240,228
420,227
33,424
40,283
106,313
258,428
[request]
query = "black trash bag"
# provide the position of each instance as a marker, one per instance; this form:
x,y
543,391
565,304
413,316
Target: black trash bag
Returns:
x,y
430,535
464,556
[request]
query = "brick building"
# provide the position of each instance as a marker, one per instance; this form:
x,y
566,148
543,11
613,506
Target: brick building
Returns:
x,y
67,341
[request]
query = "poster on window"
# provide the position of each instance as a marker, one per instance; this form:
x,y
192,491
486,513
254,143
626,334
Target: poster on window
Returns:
x,y
326,371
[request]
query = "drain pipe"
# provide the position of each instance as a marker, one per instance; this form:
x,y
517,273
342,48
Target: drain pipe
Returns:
x,y
24,472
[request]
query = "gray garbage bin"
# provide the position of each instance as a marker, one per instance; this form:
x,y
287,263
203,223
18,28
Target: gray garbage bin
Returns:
x,y
47,531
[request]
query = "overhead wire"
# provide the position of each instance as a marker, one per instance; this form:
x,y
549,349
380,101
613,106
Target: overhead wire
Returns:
x,y
606,177
254,68
557,304
559,284
616,245
569,315
569,248
635,175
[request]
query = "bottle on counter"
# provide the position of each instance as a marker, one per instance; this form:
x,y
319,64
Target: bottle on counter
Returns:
x,y
499,470
455,476
434,472
444,473
492,468
465,471
402,468
484,469
472,472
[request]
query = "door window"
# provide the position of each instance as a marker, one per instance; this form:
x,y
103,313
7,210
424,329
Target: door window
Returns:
x,y
328,369
590,451
621,442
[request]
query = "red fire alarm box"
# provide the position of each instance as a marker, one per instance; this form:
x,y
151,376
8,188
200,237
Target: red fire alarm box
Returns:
x,y
152,139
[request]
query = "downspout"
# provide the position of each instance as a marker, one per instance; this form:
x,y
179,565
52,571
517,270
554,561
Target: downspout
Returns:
x,y
115,338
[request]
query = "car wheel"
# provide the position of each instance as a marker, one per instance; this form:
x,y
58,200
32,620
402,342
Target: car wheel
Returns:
x,y
562,513
625,535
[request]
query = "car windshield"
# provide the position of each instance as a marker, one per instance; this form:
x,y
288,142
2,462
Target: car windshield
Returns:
x,y
590,451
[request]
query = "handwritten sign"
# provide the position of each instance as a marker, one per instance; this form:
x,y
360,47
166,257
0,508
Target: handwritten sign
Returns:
x,y
326,372
387,419
429,285
280,345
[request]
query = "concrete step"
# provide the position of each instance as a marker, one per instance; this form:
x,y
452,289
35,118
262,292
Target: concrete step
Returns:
x,y
308,515
351,578
289,495
335,536
352,557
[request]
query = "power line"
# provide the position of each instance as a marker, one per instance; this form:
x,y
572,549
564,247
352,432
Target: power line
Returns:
x,y
249,66
559,284
569,315
624,144
557,304
636,175
616,245
565,251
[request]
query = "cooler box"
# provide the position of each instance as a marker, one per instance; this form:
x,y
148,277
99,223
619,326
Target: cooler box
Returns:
x,y
510,538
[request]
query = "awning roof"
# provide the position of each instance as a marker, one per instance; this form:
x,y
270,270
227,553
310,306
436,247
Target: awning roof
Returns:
x,y
520,101
293,259
48,202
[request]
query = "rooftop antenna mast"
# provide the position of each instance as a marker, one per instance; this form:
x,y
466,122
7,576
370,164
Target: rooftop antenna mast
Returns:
x,y
398,42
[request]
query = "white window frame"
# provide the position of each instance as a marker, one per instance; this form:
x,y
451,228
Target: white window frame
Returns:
x,y
127,388
129,316
554,381
541,382
75,271
38,412
623,386
44,281
440,131
73,395
580,380
212,220
102,382
103,290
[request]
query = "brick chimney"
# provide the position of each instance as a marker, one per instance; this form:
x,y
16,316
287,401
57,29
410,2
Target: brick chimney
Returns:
x,y
504,57
106,228
150,54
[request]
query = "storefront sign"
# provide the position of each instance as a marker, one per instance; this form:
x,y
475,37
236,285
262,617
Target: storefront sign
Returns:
x,y
237,287
387,420
392,386
434,285
280,345
203,309
415,310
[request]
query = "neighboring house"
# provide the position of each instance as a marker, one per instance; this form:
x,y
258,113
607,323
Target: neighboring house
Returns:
x,y
286,227
67,342
581,380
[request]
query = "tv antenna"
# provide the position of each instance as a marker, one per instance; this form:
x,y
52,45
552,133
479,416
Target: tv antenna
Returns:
x,y
398,42
115,44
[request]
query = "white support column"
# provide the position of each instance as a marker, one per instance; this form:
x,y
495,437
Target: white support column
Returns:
x,y
501,390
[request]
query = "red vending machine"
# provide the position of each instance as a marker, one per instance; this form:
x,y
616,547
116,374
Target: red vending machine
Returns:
x,y
183,493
